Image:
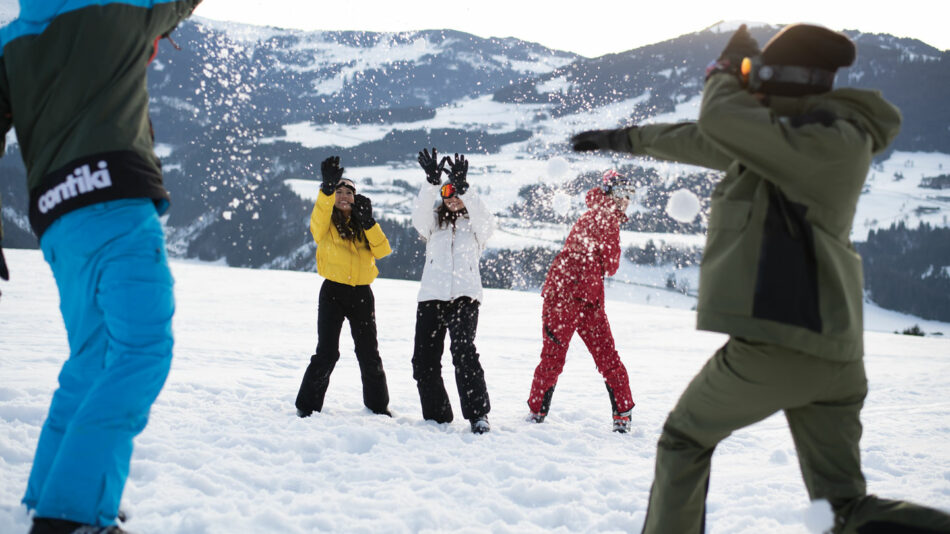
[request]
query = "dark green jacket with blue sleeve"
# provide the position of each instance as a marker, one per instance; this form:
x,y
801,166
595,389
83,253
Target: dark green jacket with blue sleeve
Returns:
x,y
73,85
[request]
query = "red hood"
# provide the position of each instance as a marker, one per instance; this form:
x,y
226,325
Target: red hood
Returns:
x,y
596,199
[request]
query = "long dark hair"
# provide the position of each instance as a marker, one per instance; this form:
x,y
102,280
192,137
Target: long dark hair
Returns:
x,y
447,217
348,228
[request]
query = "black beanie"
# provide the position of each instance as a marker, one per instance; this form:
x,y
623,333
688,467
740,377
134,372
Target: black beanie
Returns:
x,y
809,46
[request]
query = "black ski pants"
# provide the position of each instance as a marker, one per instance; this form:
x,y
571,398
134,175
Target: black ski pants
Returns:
x,y
460,318
357,305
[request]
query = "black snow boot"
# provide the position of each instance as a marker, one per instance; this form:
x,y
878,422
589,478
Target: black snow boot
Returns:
x,y
535,417
45,525
480,425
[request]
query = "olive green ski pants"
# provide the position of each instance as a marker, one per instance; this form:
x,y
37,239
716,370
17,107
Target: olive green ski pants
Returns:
x,y
745,382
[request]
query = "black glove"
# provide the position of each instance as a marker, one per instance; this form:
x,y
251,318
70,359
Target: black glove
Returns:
x,y
4,273
332,172
616,140
741,45
363,211
433,171
458,172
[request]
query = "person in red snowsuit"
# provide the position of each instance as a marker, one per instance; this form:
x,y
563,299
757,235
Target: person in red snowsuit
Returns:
x,y
573,295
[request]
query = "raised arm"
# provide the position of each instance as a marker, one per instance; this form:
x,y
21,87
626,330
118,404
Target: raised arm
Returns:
x,y
423,214
483,222
320,216
423,218
378,242
796,157
680,142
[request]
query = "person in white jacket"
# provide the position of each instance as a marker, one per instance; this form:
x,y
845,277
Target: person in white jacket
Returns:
x,y
456,225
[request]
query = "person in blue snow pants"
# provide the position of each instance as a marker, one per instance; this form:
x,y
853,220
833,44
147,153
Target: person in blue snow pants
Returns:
x,y
73,85
115,289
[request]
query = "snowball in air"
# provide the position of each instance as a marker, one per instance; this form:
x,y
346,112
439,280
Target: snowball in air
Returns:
x,y
683,206
561,203
558,167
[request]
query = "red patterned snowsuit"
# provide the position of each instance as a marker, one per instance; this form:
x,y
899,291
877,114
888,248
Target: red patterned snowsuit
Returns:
x,y
574,301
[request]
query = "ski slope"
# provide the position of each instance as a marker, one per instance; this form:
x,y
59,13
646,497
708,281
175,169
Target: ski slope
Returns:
x,y
225,453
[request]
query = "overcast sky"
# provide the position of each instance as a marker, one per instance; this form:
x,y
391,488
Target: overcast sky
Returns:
x,y
606,26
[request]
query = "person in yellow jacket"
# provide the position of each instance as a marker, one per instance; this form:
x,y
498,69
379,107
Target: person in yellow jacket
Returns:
x,y
349,241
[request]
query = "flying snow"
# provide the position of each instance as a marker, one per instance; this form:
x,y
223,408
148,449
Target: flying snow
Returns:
x,y
558,167
561,203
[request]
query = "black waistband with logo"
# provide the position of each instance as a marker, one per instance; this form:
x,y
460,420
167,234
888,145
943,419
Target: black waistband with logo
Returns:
x,y
91,180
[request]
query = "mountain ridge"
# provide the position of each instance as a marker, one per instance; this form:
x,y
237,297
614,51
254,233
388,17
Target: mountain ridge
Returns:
x,y
241,111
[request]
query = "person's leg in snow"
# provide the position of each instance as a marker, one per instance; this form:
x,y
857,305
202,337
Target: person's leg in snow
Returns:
x,y
870,514
462,323
116,297
745,382
361,313
827,434
738,386
316,379
559,319
594,330
429,344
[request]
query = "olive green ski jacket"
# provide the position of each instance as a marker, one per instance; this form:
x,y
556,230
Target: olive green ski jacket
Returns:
x,y
778,265
73,84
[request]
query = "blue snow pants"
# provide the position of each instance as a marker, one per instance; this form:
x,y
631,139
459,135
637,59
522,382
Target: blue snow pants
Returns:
x,y
115,291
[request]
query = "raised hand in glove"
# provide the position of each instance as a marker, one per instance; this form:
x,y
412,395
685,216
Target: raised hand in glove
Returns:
x,y
616,140
363,211
741,45
332,172
458,171
433,170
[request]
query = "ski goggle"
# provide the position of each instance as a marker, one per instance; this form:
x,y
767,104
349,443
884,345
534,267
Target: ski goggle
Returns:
x,y
448,191
754,74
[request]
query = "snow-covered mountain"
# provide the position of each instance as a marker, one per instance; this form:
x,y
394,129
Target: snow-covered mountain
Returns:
x,y
243,116
225,453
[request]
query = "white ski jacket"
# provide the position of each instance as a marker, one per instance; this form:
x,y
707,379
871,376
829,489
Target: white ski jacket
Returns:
x,y
452,253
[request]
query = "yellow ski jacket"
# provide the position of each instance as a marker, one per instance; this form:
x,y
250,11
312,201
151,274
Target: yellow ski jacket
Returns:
x,y
340,260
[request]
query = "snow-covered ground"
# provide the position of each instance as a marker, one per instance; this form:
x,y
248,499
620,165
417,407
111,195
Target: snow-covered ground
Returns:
x,y
224,451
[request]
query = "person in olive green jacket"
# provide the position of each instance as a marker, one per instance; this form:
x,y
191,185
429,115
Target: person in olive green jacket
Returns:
x,y
349,241
779,273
